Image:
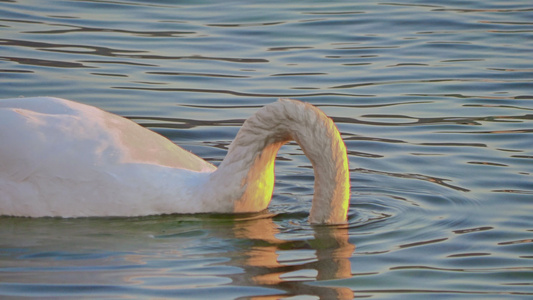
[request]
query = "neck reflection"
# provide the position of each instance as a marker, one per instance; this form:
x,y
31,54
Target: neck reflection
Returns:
x,y
268,260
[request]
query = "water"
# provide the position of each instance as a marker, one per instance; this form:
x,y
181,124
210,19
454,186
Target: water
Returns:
x,y
434,102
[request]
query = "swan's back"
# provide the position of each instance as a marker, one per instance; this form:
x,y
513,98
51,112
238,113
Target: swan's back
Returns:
x,y
46,127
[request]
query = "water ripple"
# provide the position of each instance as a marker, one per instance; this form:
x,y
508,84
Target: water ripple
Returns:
x,y
433,101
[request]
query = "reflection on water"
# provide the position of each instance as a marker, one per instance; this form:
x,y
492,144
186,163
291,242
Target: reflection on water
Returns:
x,y
432,99
262,265
65,257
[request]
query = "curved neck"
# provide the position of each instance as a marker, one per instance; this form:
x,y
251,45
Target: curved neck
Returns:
x,y
247,172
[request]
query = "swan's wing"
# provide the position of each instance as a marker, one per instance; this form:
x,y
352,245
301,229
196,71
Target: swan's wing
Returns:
x,y
35,129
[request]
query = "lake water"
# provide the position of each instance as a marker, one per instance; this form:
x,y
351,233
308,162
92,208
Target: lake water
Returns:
x,y
434,102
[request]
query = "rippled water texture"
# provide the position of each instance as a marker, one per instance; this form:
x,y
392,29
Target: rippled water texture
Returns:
x,y
434,101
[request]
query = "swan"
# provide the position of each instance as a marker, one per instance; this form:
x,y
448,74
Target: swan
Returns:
x,y
60,158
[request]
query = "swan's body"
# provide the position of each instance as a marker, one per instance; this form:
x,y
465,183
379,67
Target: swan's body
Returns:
x,y
62,158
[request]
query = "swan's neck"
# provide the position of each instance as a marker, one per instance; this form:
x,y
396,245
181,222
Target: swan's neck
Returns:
x,y
245,178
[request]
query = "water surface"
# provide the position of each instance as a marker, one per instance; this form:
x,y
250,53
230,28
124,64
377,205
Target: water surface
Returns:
x,y
434,102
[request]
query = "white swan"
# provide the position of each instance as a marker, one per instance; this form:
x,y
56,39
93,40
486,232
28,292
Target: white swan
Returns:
x,y
66,159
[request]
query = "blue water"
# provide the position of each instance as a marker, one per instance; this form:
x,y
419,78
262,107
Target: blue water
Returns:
x,y
434,101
